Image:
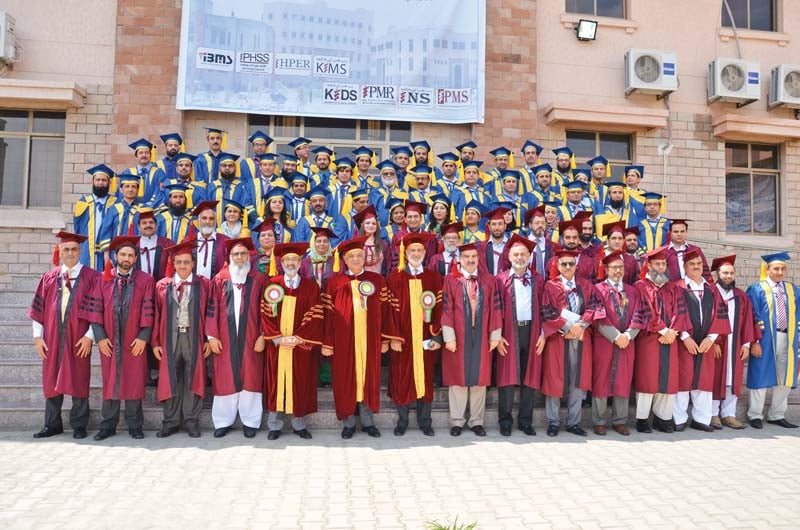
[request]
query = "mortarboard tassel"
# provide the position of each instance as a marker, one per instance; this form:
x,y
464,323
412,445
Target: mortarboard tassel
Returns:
x,y
645,270
553,273
224,144
763,273
430,158
511,160
273,267
572,163
373,160
401,264
107,276
183,147
608,170
130,229
170,272
56,255
601,270
152,154
336,265
538,161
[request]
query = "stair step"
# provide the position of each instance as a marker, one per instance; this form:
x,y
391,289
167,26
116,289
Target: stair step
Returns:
x,y
16,296
15,331
27,372
14,312
25,282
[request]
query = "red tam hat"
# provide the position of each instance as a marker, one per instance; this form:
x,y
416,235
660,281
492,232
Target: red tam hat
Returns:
x,y
365,214
691,254
145,212
565,225
203,206
65,237
655,254
560,253
497,213
285,249
419,207
517,239
534,212
719,262
617,226
451,228
246,242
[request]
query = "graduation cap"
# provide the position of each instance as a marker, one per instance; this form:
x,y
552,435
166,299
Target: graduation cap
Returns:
x,y
344,162
582,215
276,192
175,137
496,213
565,253
387,164
448,157
552,204
476,206
142,143
719,262
229,202
145,212
767,260
246,242
176,186
363,151
186,247
517,239
323,231
271,157
653,196
203,206
262,224
416,238
451,228
542,168
299,142
575,185
684,222
322,150
297,176
637,169
607,260
692,253
128,177
631,230
534,212
224,143
365,214
402,150
566,225
421,168
393,203
610,228
659,253
185,156
441,198
585,171
357,243
287,157
614,184
469,144
69,237
472,163
467,246
600,160
510,173
359,192
214,130
102,169
536,146
124,241
421,143
567,152
289,249
259,135
317,191
419,207
500,151
224,157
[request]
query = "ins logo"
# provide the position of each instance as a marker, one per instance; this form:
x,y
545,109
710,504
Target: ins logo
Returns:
x,y
453,97
416,97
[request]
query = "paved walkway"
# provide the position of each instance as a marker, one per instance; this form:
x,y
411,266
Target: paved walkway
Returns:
x,y
747,479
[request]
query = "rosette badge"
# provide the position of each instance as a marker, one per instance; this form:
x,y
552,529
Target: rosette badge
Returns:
x,y
273,295
365,289
428,302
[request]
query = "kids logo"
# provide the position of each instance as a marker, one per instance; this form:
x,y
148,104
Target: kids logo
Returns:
x,y
415,97
214,59
378,94
339,93
453,97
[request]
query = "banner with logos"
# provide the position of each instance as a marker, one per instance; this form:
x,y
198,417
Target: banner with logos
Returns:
x,y
408,60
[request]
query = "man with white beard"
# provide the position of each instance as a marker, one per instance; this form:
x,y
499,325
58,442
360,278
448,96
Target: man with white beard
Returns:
x,y
386,190
210,244
235,338
446,262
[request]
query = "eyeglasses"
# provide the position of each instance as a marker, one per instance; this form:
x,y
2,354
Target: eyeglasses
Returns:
x,y
566,264
615,267
182,263
239,254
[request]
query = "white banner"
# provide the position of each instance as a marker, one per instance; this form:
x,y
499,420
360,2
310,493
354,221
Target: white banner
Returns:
x,y
406,60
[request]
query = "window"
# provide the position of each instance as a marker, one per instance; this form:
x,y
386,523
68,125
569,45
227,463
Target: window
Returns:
x,y
751,175
411,45
617,148
31,158
599,8
751,14
342,134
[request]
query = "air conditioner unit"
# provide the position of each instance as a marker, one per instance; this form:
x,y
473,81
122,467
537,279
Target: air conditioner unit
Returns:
x,y
733,80
650,72
8,39
785,88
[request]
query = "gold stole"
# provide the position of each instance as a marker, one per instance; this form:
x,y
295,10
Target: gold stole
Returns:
x,y
791,324
417,319
359,339
285,356
65,293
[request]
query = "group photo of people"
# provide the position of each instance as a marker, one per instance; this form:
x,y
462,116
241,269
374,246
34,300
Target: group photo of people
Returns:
x,y
259,279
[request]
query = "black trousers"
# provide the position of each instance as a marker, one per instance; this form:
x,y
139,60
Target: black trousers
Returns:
x,y
78,415
505,394
423,414
134,416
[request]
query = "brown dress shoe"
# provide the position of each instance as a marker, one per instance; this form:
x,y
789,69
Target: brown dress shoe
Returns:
x,y
600,430
621,429
716,423
732,423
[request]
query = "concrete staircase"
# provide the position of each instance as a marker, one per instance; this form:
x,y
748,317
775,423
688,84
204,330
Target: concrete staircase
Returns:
x,y
22,402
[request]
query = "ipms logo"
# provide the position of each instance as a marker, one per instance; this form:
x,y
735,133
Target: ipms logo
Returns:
x,y
453,97
215,59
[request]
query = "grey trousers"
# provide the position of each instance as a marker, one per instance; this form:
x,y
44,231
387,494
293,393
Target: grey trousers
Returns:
x,y
78,415
574,395
619,412
366,414
134,417
780,393
275,421
458,396
423,414
184,406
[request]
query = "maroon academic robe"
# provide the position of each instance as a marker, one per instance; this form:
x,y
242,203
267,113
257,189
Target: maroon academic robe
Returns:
x,y
402,386
508,368
339,334
744,330
656,365
437,264
305,358
125,376
612,367
673,267
696,372
62,371
165,333
586,268
470,366
158,260
392,251
239,367
217,255
319,274
486,258
555,355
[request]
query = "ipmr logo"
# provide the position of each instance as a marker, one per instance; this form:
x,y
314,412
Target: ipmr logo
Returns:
x,y
325,66
453,97
415,96
214,59
254,62
378,94
339,93
292,64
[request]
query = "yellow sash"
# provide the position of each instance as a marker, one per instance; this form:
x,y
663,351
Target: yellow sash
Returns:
x,y
417,317
360,339
791,321
285,357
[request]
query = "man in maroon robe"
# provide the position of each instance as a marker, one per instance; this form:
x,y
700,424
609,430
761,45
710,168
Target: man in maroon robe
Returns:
x,y
733,348
678,248
293,331
491,250
655,371
586,264
446,261
359,325
708,315
519,361
415,217
615,242
151,258
418,292
179,341
66,301
567,314
472,320
122,337
617,321
234,332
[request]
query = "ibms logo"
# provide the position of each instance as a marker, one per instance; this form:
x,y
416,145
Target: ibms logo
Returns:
x,y
339,93
453,97
378,94
214,59
331,67
415,97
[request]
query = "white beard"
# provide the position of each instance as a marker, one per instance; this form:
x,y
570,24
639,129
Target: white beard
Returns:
x,y
207,230
415,264
239,273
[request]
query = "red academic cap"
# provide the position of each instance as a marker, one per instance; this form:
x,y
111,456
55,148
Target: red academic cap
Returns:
x,y
613,256
534,212
186,247
632,230
124,241
496,214
365,214
323,231
421,238
719,262
419,207
610,228
264,224
145,212
65,237
517,239
452,228
692,253
357,243
684,222
467,246
246,242
563,252
564,225
583,214
657,253
203,206
284,249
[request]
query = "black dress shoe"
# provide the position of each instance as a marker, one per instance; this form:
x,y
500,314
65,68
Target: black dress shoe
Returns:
x,y
399,431
166,431
304,434
194,431
136,434
529,430
47,432
479,430
505,430
79,433
756,423
576,430
643,426
455,431
783,423
427,431
273,435
371,431
249,432
348,432
680,427
701,426
662,425
552,430
103,434
222,431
